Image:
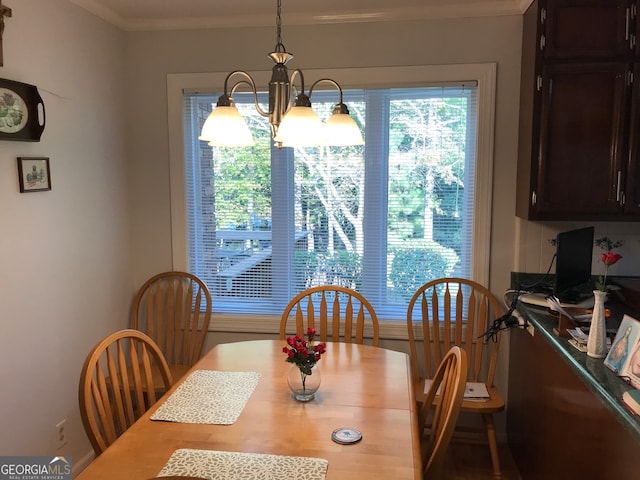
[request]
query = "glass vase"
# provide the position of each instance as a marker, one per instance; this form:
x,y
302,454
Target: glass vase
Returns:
x,y
597,342
302,385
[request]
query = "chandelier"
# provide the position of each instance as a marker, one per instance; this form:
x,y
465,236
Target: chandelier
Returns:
x,y
293,122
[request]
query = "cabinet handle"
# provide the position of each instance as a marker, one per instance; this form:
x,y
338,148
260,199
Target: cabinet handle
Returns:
x,y
619,188
627,20
543,15
542,42
539,82
533,198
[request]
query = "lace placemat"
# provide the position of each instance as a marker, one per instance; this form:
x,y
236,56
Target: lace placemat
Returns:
x,y
209,396
216,465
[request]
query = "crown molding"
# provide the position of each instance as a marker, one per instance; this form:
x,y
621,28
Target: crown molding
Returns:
x,y
446,9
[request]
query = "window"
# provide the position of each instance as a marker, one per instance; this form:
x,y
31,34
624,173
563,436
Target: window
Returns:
x,y
263,224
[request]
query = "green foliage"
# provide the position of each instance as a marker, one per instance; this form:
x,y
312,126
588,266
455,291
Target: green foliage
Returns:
x,y
426,175
417,263
243,192
343,268
306,265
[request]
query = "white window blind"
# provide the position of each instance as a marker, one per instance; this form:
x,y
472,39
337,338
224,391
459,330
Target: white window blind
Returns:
x,y
263,224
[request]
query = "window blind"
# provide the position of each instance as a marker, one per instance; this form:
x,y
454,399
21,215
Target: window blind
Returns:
x,y
263,224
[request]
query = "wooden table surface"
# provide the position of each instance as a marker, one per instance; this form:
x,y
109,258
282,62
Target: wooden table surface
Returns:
x,y
363,387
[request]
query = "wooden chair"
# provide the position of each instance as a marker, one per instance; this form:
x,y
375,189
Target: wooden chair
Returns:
x,y
448,383
456,311
114,385
329,305
174,309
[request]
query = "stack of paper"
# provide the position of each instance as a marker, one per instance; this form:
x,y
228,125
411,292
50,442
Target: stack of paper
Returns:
x,y
473,390
578,338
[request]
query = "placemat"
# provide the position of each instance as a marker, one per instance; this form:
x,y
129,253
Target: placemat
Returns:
x,y
216,465
209,396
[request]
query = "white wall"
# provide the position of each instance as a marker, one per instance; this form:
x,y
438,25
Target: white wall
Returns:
x,y
534,250
64,254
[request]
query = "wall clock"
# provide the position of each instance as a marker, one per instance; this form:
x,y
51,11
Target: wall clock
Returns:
x,y
21,112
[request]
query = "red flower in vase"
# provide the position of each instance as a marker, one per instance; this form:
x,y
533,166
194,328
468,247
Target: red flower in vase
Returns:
x,y
608,257
302,352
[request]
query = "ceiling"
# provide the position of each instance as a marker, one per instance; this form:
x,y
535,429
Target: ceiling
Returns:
x,y
188,14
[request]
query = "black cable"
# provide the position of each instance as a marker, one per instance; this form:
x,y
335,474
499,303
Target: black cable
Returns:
x,y
535,284
507,319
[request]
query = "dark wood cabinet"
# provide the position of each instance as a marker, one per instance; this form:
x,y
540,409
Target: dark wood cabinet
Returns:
x,y
581,142
578,153
632,188
586,28
558,428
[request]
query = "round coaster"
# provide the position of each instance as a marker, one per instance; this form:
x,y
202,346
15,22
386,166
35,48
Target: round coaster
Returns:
x,y
346,435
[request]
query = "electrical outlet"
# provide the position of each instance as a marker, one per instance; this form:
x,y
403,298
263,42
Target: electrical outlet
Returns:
x,y
61,434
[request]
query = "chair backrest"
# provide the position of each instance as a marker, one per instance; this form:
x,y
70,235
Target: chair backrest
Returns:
x,y
114,385
169,308
448,312
449,383
337,313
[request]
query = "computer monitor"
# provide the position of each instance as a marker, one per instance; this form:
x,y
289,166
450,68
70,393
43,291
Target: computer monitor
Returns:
x,y
574,252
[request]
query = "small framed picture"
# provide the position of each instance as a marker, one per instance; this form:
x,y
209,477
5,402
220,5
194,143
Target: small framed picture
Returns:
x,y
622,347
34,174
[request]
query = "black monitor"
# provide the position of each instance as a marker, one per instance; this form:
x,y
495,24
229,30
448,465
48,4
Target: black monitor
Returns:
x,y
574,252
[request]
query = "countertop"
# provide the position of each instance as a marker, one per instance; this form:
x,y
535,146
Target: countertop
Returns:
x,y
598,378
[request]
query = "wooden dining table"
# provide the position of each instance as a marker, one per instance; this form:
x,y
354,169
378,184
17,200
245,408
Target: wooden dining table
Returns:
x,y
362,387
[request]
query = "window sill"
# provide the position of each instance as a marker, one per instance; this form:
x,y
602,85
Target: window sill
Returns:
x,y
389,329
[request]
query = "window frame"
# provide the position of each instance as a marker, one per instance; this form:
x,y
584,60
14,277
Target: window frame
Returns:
x,y
375,77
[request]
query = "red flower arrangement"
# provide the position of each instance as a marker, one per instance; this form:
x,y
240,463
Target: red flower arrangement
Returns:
x,y
608,257
303,353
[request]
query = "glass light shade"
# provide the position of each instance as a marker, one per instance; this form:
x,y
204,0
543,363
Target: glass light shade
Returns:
x,y
341,130
225,127
300,127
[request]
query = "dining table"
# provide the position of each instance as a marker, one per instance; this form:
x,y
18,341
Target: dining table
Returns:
x,y
364,389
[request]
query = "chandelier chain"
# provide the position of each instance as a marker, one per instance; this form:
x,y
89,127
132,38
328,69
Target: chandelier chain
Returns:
x,y
279,25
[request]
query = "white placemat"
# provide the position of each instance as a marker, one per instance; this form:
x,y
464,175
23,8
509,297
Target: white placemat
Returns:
x,y
209,396
216,465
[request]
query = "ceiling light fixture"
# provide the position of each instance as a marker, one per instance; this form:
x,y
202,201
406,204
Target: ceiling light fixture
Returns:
x,y
293,124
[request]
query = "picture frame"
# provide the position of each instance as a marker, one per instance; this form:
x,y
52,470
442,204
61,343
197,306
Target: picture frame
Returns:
x,y
22,116
624,355
34,174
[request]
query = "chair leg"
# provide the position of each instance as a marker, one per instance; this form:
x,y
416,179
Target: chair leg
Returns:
x,y
493,443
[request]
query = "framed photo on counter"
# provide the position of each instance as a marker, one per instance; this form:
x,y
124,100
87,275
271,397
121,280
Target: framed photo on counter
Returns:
x,y
624,355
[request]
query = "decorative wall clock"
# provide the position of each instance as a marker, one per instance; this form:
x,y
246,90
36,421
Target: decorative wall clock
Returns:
x,y
21,112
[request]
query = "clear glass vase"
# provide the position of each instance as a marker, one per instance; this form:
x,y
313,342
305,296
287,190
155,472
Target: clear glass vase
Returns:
x,y
303,386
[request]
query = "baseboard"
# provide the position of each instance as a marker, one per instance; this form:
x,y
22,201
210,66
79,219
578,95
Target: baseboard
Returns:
x,y
80,465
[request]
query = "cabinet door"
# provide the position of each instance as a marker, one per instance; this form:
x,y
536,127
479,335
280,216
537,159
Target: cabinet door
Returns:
x,y
632,185
581,141
587,28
